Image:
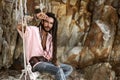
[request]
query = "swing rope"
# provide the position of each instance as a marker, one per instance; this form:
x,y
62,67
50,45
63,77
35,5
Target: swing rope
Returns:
x,y
22,16
23,22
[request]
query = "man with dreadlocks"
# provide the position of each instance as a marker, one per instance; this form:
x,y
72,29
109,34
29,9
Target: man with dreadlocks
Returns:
x,y
41,46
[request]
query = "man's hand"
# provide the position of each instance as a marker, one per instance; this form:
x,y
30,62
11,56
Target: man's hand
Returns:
x,y
41,15
57,64
19,26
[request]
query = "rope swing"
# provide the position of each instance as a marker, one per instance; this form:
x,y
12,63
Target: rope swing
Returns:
x,y
21,11
23,20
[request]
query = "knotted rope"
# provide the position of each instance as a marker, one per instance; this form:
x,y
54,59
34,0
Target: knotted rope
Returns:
x,y
21,11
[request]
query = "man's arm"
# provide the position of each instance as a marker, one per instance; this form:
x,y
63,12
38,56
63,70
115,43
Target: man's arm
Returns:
x,y
39,16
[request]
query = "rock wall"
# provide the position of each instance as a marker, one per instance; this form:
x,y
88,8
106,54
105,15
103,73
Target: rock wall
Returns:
x,y
88,34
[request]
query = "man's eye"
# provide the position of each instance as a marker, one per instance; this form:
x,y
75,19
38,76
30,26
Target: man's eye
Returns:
x,y
45,20
51,23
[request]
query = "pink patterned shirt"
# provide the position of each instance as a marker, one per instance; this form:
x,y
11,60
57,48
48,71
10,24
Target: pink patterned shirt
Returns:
x,y
33,45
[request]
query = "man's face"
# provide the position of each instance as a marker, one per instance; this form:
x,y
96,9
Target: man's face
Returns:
x,y
48,24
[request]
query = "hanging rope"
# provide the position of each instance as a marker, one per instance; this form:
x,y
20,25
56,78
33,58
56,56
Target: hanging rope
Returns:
x,y
20,17
42,5
23,21
21,12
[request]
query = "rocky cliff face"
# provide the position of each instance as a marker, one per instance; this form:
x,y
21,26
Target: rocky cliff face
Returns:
x,y
88,35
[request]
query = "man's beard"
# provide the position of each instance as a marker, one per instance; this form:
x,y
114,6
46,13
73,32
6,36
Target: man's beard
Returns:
x,y
45,29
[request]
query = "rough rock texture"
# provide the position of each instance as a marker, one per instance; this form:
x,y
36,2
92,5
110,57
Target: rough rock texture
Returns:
x,y
88,36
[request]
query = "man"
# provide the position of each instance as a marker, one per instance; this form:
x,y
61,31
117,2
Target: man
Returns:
x,y
41,47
